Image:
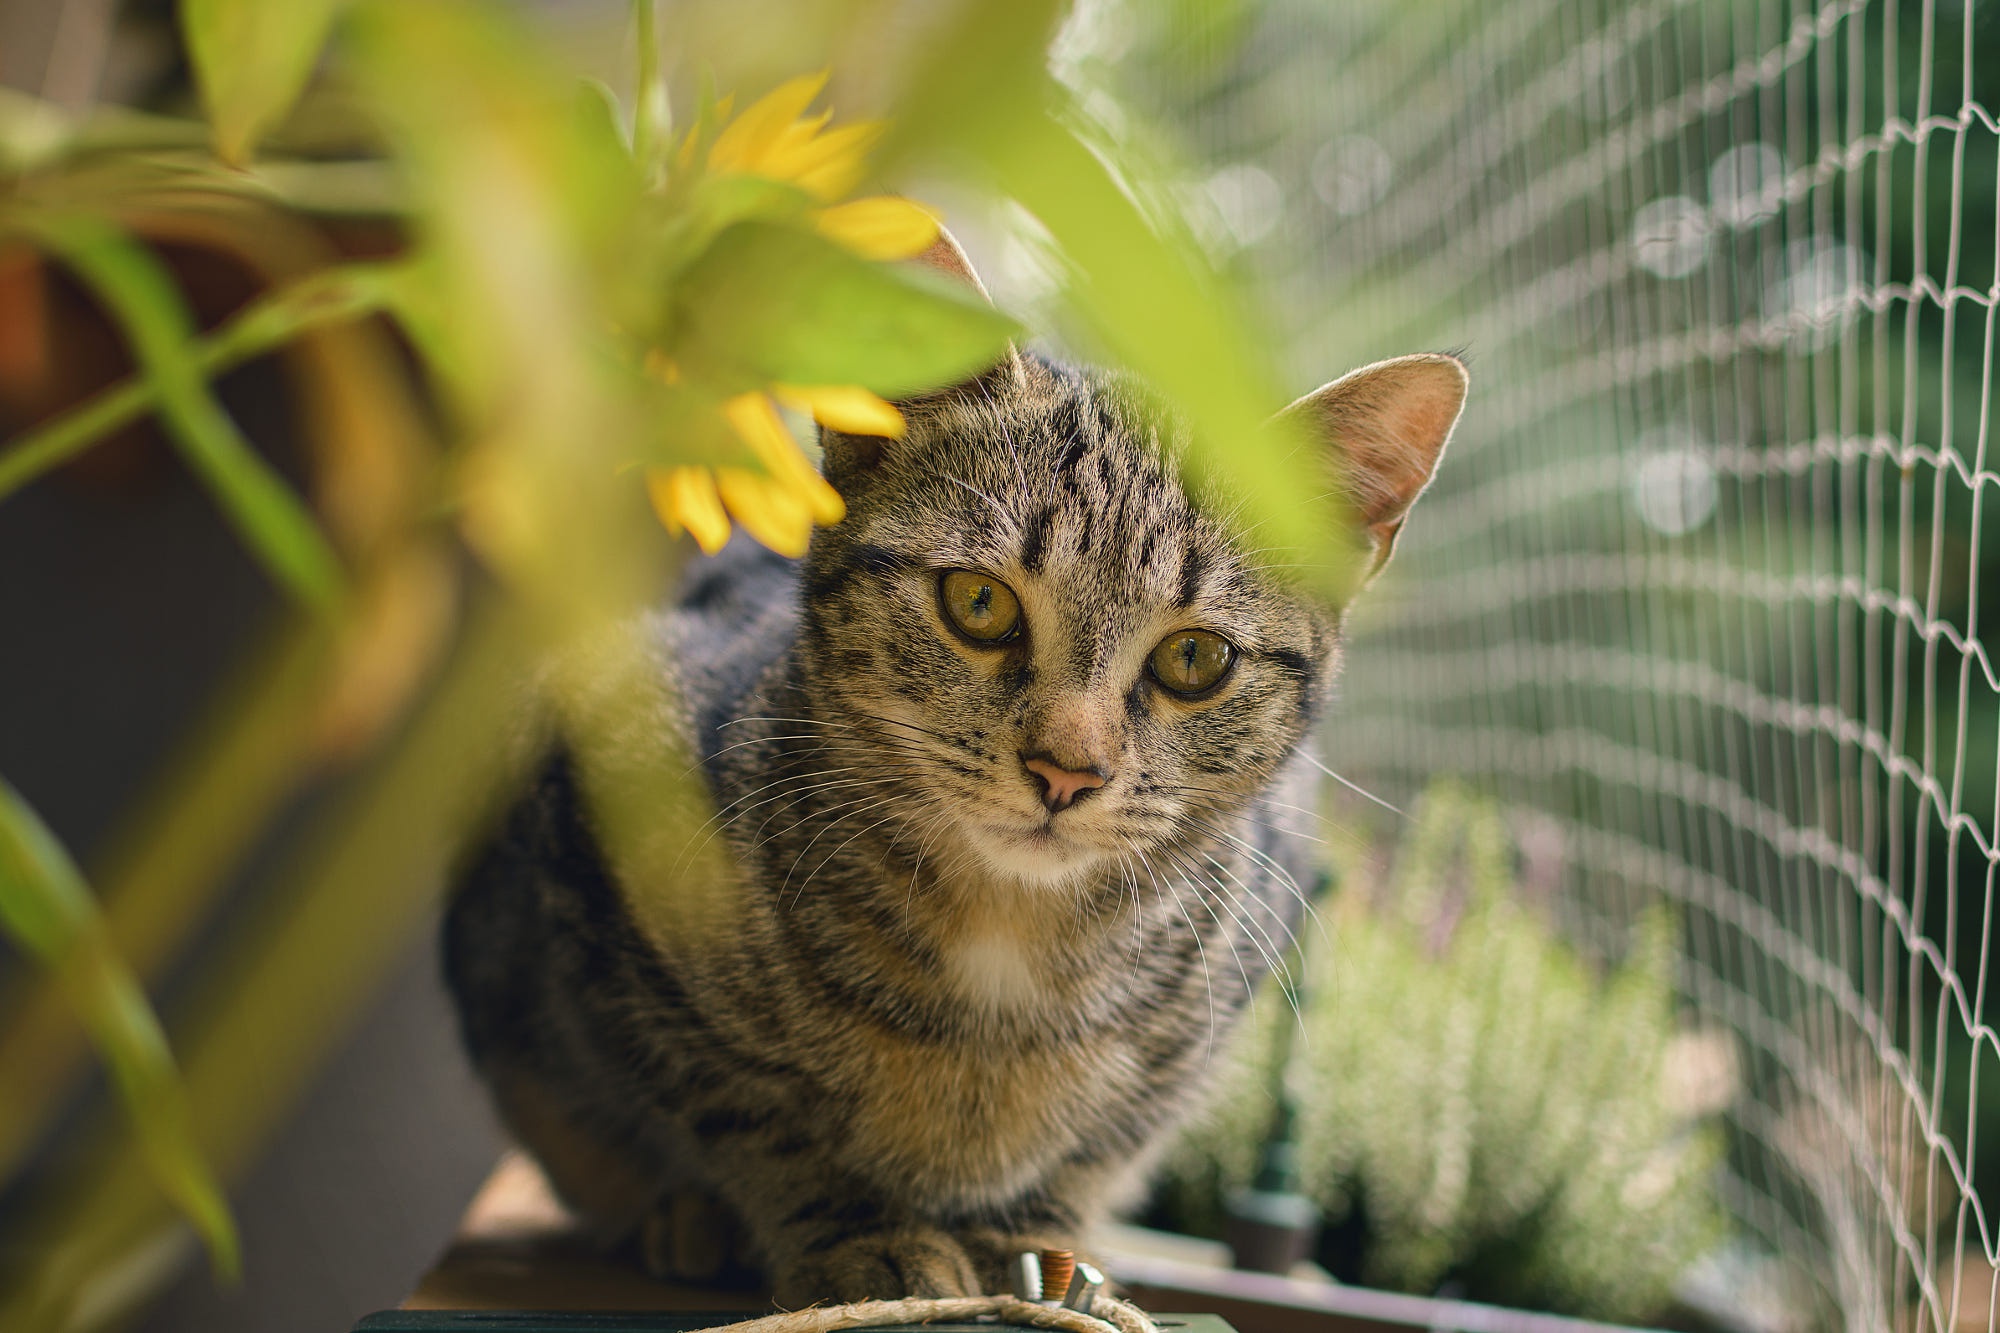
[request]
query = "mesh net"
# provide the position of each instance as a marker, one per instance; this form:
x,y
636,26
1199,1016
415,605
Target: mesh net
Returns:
x,y
1697,591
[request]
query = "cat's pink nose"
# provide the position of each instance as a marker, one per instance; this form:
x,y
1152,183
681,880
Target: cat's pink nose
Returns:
x,y
1061,786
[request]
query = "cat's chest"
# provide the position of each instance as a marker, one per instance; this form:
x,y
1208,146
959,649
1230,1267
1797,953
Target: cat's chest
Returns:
x,y
1023,1080
995,970
975,1124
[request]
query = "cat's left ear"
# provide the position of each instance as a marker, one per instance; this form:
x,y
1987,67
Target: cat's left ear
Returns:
x,y
1387,425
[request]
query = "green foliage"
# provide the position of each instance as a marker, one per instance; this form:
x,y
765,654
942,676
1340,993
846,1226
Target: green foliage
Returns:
x,y
1475,1103
252,59
767,303
137,290
47,908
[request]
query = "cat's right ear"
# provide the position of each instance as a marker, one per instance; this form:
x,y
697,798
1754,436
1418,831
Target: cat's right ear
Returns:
x,y
849,455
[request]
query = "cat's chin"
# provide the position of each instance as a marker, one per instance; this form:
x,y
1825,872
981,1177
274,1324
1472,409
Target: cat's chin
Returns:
x,y
1036,857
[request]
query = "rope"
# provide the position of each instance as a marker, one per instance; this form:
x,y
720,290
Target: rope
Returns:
x,y
1108,1315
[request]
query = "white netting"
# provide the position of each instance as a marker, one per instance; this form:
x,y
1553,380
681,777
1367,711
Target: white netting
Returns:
x,y
1698,588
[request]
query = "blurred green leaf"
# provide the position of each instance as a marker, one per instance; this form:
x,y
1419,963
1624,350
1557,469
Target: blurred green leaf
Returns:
x,y
171,860
325,298
694,217
46,907
784,304
597,114
252,59
983,73
139,295
522,206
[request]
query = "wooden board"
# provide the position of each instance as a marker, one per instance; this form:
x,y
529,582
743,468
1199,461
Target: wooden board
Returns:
x,y
518,1250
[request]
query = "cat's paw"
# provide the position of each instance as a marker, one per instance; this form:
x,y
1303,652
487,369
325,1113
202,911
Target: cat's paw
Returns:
x,y
692,1236
888,1265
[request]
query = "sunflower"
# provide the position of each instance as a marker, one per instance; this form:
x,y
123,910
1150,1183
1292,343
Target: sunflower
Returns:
x,y
775,138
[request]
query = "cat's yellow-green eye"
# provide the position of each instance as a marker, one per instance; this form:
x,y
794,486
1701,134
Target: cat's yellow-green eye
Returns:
x,y
1191,660
980,606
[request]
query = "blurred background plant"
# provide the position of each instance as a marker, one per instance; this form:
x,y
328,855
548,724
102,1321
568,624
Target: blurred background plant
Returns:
x,y
1478,1107
512,306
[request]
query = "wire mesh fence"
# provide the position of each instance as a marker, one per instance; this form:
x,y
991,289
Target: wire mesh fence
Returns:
x,y
1698,591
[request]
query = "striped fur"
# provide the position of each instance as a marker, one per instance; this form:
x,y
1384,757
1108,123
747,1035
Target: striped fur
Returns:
x,y
943,1024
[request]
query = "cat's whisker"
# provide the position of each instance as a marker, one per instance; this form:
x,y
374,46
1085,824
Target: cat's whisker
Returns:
x,y
836,784
827,860
1283,876
814,841
780,717
821,812
1194,933
911,726
1355,787
1278,958
772,739
935,824
1128,884
764,835
1207,901
787,784
727,815
844,730
1256,932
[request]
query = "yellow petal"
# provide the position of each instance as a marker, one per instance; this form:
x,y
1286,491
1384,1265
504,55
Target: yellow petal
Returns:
x,y
831,165
823,501
767,511
719,112
755,420
789,142
845,407
746,139
882,226
685,498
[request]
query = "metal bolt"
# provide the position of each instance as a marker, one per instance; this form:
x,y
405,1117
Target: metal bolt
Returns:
x,y
1028,1275
1084,1285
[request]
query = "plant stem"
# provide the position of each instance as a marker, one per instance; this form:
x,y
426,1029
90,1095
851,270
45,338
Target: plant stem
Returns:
x,y
651,119
325,298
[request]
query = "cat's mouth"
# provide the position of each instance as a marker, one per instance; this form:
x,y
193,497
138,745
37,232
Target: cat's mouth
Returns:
x,y
1037,853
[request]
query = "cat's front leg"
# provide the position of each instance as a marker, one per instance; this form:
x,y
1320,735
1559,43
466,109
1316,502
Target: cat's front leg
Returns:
x,y
910,1260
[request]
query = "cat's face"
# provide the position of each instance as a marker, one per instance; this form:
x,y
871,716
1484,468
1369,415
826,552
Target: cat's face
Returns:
x,y
1061,659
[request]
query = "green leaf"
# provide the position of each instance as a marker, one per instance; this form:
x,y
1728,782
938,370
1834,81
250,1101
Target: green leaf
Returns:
x,y
48,910
252,59
521,208
327,297
781,303
139,295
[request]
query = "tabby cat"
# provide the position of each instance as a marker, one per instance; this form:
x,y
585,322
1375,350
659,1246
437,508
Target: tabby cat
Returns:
x,y
1013,769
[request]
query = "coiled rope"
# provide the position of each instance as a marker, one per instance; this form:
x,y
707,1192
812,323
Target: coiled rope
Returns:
x,y
1107,1315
